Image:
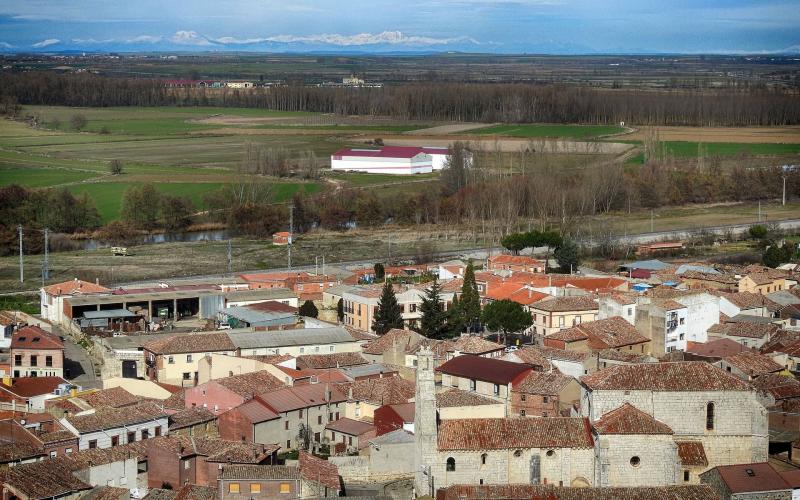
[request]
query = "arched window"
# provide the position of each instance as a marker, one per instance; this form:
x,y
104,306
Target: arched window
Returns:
x,y
710,416
483,459
451,464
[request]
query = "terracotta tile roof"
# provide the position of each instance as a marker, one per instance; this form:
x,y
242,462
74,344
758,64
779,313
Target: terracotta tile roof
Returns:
x,y
272,306
473,344
272,359
719,348
335,360
190,343
778,386
350,426
247,385
114,397
486,369
667,377
215,450
262,472
568,335
612,333
715,278
624,356
360,334
300,396
563,304
47,479
381,391
780,341
513,433
529,356
763,278
177,401
26,387
107,493
517,260
546,383
753,363
627,419
19,450
255,411
33,337
747,300
102,456
318,470
456,397
667,304
74,287
404,339
743,478
561,354
528,492
692,453
160,494
111,418
744,329
194,492
190,417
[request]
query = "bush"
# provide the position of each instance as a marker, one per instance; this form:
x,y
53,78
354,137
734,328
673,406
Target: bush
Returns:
x,y
78,122
309,310
758,232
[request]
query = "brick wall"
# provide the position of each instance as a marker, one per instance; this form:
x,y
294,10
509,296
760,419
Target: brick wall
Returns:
x,y
234,426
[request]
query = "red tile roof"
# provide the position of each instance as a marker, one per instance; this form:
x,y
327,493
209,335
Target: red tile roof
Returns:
x,y
514,433
112,418
549,492
627,419
272,306
255,411
692,453
301,396
486,369
744,329
455,397
27,387
318,470
742,478
753,363
247,385
350,426
74,287
719,348
114,397
564,304
190,343
33,337
778,386
667,377
530,356
612,332
546,383
404,339
380,391
335,360
515,260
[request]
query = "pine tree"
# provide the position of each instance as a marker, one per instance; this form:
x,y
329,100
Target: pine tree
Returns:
x,y
470,300
389,314
309,310
455,318
433,323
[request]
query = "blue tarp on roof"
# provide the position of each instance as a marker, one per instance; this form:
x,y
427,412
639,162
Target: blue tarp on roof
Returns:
x,y
650,265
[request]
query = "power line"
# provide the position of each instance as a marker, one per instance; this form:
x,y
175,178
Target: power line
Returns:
x,y
21,263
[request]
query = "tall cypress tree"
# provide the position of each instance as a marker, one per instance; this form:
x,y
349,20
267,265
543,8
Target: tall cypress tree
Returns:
x,y
390,314
470,302
433,323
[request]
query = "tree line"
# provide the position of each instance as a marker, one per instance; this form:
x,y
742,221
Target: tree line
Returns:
x,y
484,102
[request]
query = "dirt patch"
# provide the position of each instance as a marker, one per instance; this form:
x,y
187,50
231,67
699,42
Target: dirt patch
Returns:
x,y
748,135
243,120
453,128
509,145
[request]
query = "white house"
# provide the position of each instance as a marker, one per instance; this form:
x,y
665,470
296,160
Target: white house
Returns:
x,y
399,160
110,427
52,297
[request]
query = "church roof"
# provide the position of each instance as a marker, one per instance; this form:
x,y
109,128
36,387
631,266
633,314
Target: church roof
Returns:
x,y
666,377
514,433
627,419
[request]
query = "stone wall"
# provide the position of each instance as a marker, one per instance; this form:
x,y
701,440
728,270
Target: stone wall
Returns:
x,y
636,460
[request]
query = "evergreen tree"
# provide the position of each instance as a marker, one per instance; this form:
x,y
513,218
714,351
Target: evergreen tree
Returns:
x,y
470,304
433,323
340,310
380,271
568,256
455,318
308,309
506,316
390,314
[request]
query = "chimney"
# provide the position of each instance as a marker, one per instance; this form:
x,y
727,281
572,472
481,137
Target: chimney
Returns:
x,y
97,281
350,393
73,392
7,380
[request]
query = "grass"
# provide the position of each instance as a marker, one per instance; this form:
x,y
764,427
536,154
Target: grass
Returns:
x,y
364,179
40,177
540,130
346,128
681,149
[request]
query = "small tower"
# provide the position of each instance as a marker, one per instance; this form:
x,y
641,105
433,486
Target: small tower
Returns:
x,y
425,429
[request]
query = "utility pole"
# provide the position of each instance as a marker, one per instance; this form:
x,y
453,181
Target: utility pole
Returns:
x,y
652,220
759,210
784,190
46,261
316,265
21,264
230,257
323,265
291,235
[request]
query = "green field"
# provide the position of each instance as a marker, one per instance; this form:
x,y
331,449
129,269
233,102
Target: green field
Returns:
x,y
363,179
723,149
40,177
541,130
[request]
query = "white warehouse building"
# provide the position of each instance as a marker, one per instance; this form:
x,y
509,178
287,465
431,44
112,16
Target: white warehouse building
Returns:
x,y
400,160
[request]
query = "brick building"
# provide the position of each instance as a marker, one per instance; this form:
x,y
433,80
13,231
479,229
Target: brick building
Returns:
x,y
36,353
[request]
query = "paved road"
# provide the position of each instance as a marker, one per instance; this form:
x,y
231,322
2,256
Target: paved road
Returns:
x,y
77,361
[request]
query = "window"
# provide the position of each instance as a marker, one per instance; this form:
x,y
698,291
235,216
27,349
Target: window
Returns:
x,y
635,461
522,413
17,359
34,360
286,425
48,361
68,451
518,453
288,443
171,360
186,464
187,375
630,311
92,444
132,437
682,320
331,348
300,412
545,399
350,440
158,430
302,350
710,416
255,488
550,453
471,385
522,397
561,321
114,440
286,488
496,389
451,464
123,481
686,475
52,454
333,436
188,358
337,415
319,418
483,459
145,434
233,488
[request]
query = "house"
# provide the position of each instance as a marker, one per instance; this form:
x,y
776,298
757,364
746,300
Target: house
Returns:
x,y
662,248
295,342
744,332
347,435
199,422
30,393
35,436
610,357
484,376
398,160
514,263
393,347
713,350
554,314
110,427
364,396
530,356
672,318
747,481
712,282
180,460
754,304
611,333
36,353
325,361
282,238
284,416
748,365
617,304
217,366
52,297
174,359
360,306
544,394
572,363
51,479
764,282
310,478
221,395
696,400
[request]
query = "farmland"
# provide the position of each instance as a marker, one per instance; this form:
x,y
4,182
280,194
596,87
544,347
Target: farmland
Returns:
x,y
550,131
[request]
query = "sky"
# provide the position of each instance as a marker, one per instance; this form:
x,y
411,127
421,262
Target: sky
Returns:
x,y
383,26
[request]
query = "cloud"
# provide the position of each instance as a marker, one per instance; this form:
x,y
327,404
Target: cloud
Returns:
x,y
145,39
46,43
136,39
385,37
189,38
6,45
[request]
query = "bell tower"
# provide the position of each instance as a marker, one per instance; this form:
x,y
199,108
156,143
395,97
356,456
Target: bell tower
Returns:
x,y
425,429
